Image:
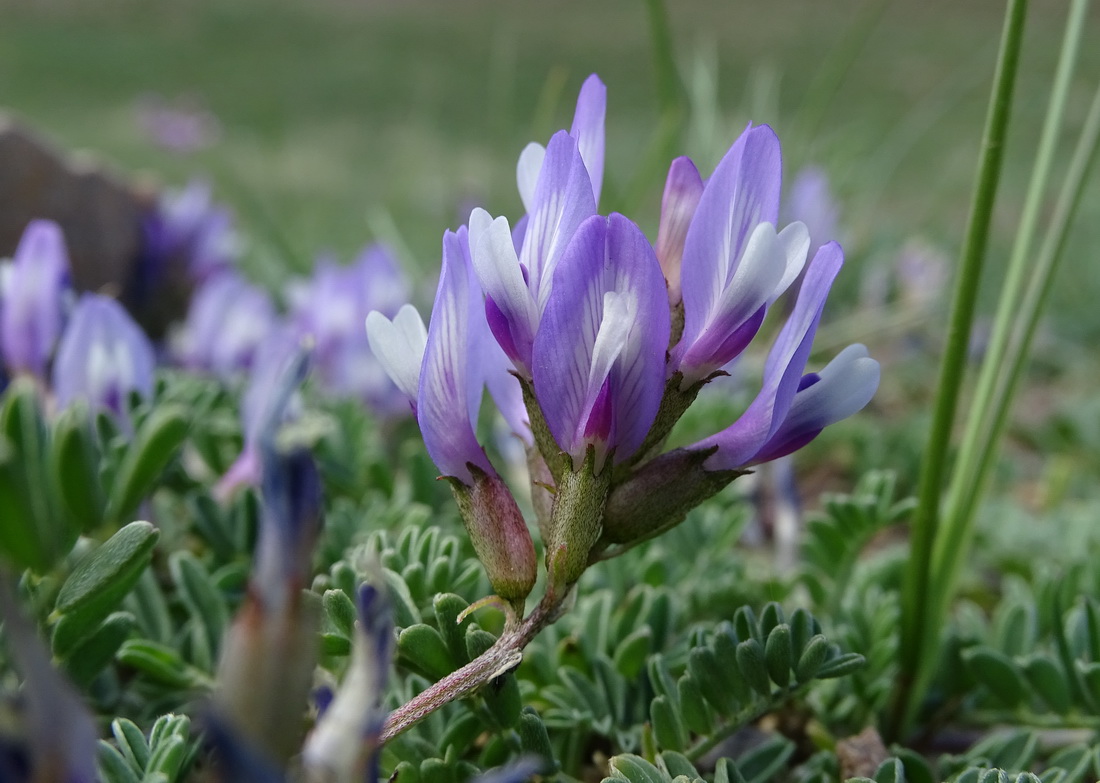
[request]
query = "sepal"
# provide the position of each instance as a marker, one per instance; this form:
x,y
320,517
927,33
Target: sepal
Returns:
x,y
499,534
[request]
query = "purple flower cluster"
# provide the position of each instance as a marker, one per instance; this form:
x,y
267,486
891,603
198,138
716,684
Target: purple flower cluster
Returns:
x,y
608,338
86,349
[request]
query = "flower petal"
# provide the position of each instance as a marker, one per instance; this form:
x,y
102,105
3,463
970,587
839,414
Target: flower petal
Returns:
x,y
770,262
562,201
513,314
103,356
527,174
739,443
683,189
599,351
588,129
842,388
450,382
399,347
742,193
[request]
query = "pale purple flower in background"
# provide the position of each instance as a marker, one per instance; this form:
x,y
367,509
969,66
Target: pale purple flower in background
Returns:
x,y
735,264
922,273
181,125
599,355
187,227
275,360
103,357
792,408
811,201
34,291
227,320
330,309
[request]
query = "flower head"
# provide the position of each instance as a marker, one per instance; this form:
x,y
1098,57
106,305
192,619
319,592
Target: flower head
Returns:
x,y
599,354
227,321
735,263
33,293
329,309
103,357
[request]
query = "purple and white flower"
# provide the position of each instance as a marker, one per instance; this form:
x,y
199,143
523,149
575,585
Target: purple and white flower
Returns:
x,y
599,355
34,289
788,412
226,322
330,308
735,263
103,357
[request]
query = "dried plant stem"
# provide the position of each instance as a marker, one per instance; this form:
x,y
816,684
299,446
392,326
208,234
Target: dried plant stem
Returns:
x,y
499,659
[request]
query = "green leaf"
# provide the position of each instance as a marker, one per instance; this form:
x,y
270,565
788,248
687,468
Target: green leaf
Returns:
x,y
534,738
1049,682
161,663
750,661
812,659
154,445
423,648
201,597
74,460
998,673
503,699
693,707
113,768
131,741
103,577
448,607
890,771
678,764
630,653
777,654
728,772
762,762
634,769
340,612
167,757
841,665
91,656
460,734
668,729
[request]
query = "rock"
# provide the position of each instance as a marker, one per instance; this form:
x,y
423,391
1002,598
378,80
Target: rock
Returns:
x,y
99,212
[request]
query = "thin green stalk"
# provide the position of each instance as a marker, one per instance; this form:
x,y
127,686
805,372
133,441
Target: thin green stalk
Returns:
x,y
1008,348
914,649
963,501
670,90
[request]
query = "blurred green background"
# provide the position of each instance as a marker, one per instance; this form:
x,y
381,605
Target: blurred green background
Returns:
x,y
335,111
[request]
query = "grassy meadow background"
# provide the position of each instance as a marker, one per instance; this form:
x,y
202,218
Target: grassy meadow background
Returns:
x,y
343,121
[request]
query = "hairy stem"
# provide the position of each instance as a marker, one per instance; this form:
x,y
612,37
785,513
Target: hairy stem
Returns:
x,y
499,659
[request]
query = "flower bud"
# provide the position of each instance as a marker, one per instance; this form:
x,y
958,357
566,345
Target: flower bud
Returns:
x,y
499,534
659,495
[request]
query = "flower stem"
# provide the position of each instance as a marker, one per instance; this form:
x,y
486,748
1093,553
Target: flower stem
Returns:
x,y
917,597
499,659
1020,304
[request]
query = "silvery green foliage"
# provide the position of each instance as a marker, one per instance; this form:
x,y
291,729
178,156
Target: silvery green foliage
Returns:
x,y
164,756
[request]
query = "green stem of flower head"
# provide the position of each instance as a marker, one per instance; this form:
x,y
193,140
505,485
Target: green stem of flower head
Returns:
x,y
1021,303
916,598
670,90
